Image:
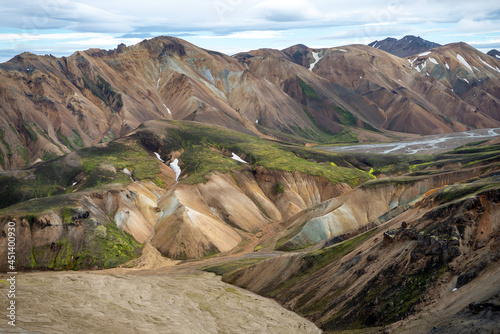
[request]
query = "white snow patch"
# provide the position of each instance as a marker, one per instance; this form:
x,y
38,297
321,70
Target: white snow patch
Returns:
x,y
361,77
256,121
237,158
127,171
74,184
158,157
167,109
175,167
447,66
375,45
342,50
158,83
316,59
425,54
466,80
485,63
497,56
399,79
433,61
454,290
464,62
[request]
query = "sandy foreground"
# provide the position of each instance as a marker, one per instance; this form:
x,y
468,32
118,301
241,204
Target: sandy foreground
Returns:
x,y
156,296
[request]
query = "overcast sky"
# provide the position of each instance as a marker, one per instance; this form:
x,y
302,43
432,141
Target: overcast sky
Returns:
x,y
60,27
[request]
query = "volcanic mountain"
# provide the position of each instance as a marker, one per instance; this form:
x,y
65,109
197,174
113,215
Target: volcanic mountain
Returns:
x,y
404,47
51,106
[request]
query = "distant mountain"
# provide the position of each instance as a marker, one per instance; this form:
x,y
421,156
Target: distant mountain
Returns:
x,y
494,53
404,47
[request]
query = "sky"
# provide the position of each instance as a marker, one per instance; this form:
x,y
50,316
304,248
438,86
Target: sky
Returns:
x,y
61,27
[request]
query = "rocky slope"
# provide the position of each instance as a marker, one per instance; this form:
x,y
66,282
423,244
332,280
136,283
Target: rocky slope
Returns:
x,y
51,106
439,257
96,206
468,73
404,47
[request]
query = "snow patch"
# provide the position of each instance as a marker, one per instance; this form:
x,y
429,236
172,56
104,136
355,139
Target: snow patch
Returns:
x,y
127,171
425,54
342,50
74,184
175,167
433,61
237,158
316,59
466,80
464,62
256,121
447,66
158,157
167,109
485,63
158,83
454,290
361,77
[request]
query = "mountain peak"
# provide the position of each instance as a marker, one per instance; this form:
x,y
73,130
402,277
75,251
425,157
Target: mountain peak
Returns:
x,y
404,47
494,53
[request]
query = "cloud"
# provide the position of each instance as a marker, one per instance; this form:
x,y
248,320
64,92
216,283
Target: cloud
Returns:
x,y
238,24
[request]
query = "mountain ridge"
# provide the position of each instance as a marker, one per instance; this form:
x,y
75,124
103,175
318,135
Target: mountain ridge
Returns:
x,y
404,47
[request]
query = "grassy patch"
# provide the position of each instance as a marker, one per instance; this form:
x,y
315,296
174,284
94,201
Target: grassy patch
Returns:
x,y
307,90
203,146
227,267
345,117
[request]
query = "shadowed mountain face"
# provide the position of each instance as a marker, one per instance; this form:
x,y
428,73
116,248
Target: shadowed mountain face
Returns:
x,y
494,53
404,47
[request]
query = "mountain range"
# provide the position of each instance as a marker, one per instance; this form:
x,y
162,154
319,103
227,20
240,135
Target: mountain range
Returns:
x,y
212,160
50,106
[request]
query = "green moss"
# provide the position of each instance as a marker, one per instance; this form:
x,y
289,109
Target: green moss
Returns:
x,y
318,259
3,141
48,155
278,189
64,140
108,250
200,158
32,134
231,266
23,152
67,215
345,117
307,90
77,140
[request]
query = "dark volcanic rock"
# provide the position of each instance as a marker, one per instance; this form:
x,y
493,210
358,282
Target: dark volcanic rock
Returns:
x,y
406,46
494,53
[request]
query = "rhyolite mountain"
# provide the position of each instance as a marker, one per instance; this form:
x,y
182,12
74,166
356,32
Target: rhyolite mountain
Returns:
x,y
51,106
351,241
404,47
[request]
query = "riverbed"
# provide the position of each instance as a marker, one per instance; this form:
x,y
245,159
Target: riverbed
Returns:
x,y
424,145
